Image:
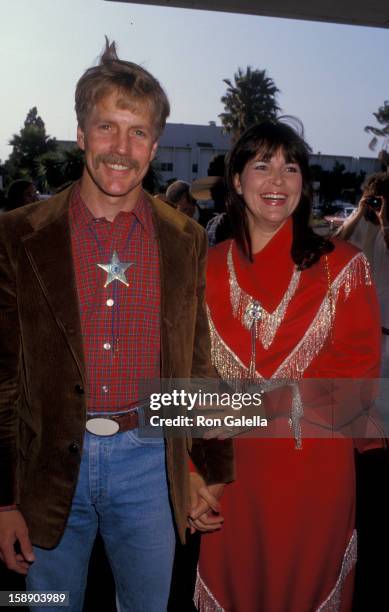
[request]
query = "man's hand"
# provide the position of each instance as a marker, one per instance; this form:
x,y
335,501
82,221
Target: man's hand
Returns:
x,y
204,512
13,529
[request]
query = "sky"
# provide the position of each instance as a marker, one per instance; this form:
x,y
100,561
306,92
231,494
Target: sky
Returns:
x,y
333,77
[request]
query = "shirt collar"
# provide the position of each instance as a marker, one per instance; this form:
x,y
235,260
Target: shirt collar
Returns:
x,y
81,216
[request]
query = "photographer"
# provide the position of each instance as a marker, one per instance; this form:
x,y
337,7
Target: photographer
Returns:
x,y
368,229
369,225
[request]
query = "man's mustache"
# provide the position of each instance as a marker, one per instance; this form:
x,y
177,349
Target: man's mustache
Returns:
x,y
110,158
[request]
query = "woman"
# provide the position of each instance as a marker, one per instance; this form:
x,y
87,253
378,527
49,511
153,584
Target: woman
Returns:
x,y
285,303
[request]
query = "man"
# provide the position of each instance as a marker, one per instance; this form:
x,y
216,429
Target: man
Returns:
x,y
102,286
20,193
213,188
179,195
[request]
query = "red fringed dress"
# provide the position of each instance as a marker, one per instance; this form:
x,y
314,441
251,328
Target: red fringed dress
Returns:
x,y
288,542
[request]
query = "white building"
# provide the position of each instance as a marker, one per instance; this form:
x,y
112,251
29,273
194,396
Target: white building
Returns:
x,y
185,150
351,164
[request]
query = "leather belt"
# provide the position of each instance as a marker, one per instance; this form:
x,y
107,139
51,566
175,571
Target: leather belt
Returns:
x,y
111,425
385,331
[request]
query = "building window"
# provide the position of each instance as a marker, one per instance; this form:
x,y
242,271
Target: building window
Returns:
x,y
166,167
195,168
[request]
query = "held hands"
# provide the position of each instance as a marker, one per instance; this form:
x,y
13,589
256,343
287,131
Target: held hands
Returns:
x,y
204,514
13,530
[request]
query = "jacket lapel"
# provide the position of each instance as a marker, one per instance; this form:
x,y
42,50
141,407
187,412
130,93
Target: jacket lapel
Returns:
x,y
49,251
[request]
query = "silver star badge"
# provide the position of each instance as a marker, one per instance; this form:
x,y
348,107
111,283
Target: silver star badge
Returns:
x,y
115,270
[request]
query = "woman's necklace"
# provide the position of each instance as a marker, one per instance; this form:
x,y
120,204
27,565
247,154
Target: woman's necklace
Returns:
x,y
253,316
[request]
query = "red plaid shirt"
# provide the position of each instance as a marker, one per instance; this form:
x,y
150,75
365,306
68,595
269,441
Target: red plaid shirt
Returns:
x,y
120,324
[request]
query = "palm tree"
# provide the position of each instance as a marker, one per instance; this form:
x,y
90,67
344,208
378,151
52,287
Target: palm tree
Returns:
x,y
73,164
252,98
382,117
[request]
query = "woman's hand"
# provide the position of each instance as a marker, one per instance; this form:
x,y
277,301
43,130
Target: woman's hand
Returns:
x,y
382,216
204,514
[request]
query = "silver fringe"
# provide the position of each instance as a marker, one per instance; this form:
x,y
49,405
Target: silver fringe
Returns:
x,y
296,414
334,599
203,598
354,274
251,313
230,366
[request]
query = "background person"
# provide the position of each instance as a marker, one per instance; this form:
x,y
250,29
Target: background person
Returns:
x,y
285,303
368,229
179,195
20,193
212,190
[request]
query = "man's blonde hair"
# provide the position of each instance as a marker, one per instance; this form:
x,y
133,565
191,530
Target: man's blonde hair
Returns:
x,y
136,85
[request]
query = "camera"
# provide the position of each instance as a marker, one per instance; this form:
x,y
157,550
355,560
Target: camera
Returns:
x,y
374,202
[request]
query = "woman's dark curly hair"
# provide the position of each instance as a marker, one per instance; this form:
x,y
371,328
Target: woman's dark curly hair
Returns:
x,y
266,138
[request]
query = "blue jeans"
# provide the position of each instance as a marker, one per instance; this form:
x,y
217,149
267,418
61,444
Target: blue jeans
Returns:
x,y
122,491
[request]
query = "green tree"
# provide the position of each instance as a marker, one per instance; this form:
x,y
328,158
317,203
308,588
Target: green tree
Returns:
x,y
59,167
28,146
50,170
382,132
73,164
337,184
250,99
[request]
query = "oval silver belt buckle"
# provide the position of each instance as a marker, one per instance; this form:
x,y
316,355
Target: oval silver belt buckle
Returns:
x,y
102,427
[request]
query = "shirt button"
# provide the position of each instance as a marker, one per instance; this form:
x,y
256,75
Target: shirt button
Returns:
x,y
79,389
105,388
110,302
107,346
